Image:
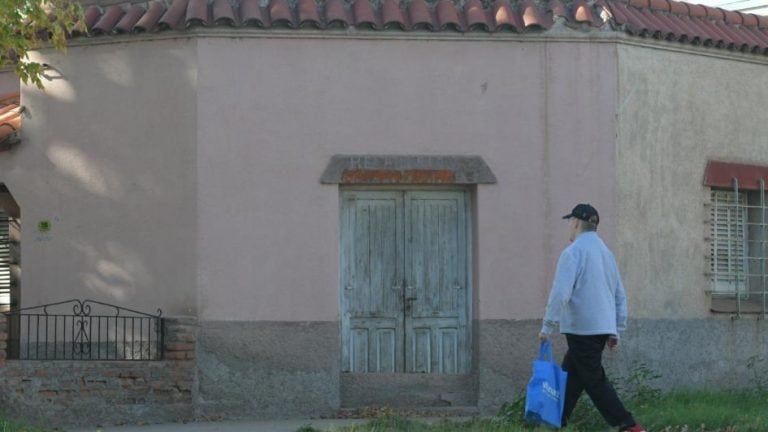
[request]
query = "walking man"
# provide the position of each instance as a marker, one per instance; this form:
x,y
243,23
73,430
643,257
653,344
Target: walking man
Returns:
x,y
589,303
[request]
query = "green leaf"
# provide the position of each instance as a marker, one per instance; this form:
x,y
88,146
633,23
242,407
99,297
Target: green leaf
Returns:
x,y
26,25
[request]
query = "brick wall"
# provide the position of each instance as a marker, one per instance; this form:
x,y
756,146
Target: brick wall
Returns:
x,y
89,393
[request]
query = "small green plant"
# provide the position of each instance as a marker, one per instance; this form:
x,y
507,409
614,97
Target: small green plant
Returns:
x,y
586,417
636,387
514,412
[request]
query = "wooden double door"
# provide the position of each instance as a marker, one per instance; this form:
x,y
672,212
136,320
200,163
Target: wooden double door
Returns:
x,y
405,292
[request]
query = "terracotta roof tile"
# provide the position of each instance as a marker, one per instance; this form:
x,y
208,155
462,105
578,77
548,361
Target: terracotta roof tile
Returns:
x,y
197,13
660,5
582,13
732,17
336,14
654,25
280,14
670,29
10,120
477,18
392,16
748,19
448,16
309,16
91,15
693,23
365,16
107,22
150,18
172,19
759,36
633,20
504,17
421,17
715,13
558,9
125,25
223,13
662,19
725,41
697,11
251,13
754,42
683,30
532,16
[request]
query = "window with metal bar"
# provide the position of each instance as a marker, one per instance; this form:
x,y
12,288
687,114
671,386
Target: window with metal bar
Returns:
x,y
9,232
738,248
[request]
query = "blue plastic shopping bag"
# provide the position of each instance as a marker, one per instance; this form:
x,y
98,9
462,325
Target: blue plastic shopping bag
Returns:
x,y
545,398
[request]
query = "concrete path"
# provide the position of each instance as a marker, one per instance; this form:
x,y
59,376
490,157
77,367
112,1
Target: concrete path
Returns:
x,y
232,426
249,425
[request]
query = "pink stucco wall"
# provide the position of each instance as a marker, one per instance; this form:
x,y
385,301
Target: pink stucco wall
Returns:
x,y
184,173
272,112
107,158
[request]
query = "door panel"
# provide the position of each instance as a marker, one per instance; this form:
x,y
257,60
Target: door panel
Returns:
x,y
371,280
436,291
404,282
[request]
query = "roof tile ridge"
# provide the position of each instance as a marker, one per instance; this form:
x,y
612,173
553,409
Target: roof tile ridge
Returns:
x,y
710,13
223,13
310,14
450,16
422,15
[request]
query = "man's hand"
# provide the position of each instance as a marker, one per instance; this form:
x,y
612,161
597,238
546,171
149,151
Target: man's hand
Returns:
x,y
613,343
543,336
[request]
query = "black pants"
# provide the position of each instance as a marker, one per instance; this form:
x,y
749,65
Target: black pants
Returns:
x,y
584,364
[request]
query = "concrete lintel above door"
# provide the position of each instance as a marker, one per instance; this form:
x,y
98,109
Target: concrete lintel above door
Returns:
x,y
398,169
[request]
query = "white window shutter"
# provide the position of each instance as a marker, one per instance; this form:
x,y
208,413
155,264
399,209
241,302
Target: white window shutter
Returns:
x,y
5,262
728,244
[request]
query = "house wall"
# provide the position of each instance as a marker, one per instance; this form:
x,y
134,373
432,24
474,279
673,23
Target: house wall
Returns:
x,y
531,110
184,174
676,111
540,114
9,82
107,158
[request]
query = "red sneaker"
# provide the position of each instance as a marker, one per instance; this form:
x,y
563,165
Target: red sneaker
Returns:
x,y
635,428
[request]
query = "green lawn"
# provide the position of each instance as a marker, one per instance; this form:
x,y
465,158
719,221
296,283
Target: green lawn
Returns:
x,y
745,411
6,426
674,412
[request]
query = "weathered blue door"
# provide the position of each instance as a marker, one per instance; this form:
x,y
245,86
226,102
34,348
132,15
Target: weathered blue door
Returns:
x,y
371,281
436,277
404,281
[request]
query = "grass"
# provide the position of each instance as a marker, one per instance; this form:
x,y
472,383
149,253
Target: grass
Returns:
x,y
7,426
722,411
745,411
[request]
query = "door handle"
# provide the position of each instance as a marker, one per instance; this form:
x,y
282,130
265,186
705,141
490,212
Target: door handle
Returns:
x,y
409,303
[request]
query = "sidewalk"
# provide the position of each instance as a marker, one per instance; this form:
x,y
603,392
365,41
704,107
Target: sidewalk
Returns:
x,y
250,425
232,426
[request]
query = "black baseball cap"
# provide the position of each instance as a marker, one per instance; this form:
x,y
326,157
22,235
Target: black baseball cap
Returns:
x,y
584,212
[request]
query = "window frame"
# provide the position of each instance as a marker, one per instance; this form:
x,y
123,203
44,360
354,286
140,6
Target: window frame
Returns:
x,y
752,223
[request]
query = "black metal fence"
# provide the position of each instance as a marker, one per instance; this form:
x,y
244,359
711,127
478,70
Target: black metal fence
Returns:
x,y
91,331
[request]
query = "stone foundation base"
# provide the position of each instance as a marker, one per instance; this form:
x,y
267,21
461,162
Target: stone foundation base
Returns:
x,y
274,370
